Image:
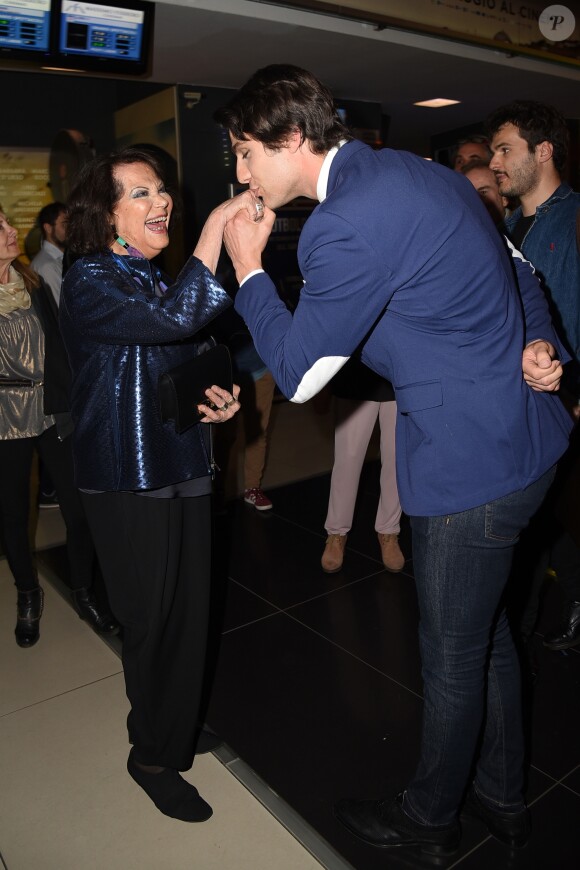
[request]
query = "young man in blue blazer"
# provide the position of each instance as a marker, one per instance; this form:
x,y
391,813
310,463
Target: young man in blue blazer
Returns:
x,y
402,262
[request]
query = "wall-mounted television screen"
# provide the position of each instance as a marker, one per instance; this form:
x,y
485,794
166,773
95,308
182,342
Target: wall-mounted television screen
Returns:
x,y
25,27
110,37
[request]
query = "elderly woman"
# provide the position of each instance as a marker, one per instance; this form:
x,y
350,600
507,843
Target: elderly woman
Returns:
x,y
146,488
34,406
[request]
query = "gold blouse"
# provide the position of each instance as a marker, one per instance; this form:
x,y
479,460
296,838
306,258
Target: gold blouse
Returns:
x,y
22,358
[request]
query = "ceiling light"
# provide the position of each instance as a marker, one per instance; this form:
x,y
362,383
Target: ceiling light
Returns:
x,y
61,69
437,103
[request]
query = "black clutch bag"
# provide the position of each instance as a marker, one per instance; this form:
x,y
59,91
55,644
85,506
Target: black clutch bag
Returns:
x,y
182,388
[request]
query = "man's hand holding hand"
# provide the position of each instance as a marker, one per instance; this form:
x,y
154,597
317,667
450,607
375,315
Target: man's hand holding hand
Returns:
x,y
245,239
542,372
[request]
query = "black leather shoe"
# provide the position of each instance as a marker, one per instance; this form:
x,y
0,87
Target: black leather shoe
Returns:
x,y
384,823
513,829
28,612
567,632
87,608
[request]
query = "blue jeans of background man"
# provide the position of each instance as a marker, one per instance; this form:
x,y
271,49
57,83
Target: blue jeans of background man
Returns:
x,y
472,699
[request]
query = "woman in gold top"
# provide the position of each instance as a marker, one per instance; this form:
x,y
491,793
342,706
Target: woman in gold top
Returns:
x,y
34,414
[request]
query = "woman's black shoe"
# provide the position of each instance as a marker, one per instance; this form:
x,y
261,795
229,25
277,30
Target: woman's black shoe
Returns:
x,y
170,793
87,608
28,613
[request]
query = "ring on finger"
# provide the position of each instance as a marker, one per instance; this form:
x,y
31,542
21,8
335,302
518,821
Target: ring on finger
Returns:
x,y
259,205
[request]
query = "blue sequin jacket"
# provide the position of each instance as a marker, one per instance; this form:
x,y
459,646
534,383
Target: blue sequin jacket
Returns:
x,y
120,336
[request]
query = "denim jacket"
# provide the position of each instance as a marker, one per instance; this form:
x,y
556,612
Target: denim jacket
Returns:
x,y
120,336
551,246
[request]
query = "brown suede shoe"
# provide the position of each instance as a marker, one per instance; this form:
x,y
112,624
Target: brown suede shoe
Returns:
x,y
333,555
393,559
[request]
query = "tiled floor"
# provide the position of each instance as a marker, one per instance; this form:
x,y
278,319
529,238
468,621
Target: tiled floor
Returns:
x,y
316,691
326,671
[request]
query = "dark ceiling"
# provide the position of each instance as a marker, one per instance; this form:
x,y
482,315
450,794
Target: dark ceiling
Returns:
x,y
223,45
220,43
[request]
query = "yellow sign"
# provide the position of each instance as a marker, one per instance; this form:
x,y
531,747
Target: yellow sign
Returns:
x,y
540,29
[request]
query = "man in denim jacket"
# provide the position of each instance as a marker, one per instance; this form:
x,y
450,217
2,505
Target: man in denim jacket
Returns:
x,y
529,141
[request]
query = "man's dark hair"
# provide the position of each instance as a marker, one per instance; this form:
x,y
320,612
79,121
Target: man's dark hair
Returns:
x,y
278,100
477,138
95,195
49,215
536,122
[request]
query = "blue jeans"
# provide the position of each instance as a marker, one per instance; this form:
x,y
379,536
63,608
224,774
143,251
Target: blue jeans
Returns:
x,y
470,668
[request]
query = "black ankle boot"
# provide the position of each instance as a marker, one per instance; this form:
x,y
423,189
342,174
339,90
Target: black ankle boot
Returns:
x,y
87,608
29,611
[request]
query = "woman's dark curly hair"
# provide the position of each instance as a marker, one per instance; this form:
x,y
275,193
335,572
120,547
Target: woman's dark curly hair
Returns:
x,y
96,193
278,100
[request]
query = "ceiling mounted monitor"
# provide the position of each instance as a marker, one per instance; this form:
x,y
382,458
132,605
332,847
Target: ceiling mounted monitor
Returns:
x,y
112,37
25,27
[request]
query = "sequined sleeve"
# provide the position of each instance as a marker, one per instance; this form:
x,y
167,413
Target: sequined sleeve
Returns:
x,y
116,303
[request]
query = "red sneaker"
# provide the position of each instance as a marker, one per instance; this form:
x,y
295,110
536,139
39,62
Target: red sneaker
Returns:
x,y
258,499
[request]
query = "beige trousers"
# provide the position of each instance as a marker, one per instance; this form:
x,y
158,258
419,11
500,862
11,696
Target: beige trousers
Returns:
x,y
355,424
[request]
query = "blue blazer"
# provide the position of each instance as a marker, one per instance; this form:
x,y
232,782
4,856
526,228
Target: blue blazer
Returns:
x,y
403,261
